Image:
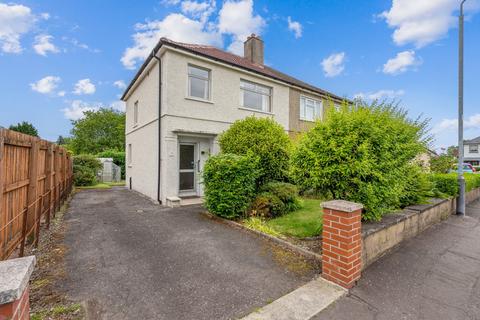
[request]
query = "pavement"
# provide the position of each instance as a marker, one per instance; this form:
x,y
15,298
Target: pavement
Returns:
x,y
129,258
435,275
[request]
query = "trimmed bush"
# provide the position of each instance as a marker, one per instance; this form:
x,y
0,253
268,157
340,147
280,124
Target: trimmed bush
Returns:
x,y
85,168
230,184
118,158
265,139
275,199
361,154
446,185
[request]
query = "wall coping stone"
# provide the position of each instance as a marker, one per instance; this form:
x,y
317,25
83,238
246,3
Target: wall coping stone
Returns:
x,y
14,277
342,205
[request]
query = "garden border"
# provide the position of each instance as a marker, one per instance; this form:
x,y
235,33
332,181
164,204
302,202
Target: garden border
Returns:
x,y
310,255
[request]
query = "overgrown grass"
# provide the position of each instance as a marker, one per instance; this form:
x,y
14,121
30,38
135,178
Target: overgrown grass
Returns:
x,y
261,225
100,185
73,311
305,222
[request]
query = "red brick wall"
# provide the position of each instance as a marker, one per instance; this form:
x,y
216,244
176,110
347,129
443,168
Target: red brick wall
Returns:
x,y
341,247
16,310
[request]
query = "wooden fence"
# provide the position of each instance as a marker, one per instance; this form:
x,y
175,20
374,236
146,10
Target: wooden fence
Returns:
x,y
35,179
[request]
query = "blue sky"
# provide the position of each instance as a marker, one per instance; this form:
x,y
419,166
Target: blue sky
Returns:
x,y
58,58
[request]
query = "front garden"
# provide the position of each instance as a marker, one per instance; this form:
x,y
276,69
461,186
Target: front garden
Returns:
x,y
365,153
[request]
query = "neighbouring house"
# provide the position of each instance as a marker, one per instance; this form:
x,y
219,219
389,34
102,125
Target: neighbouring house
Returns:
x,y
185,95
471,151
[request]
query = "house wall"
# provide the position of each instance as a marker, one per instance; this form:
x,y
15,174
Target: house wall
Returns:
x,y
469,156
144,136
298,125
188,119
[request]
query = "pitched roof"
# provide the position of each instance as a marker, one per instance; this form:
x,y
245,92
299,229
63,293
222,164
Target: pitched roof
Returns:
x,y
474,140
233,60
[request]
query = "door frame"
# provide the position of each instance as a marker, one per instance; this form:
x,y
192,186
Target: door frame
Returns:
x,y
193,191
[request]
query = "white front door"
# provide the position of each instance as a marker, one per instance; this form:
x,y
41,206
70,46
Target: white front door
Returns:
x,y
187,167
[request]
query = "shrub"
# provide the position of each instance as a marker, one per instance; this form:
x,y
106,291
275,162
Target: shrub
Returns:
x,y
117,156
286,192
446,185
361,153
267,205
418,186
264,138
442,163
230,184
85,169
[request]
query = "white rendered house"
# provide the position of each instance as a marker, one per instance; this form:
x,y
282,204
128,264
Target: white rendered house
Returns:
x,y
185,95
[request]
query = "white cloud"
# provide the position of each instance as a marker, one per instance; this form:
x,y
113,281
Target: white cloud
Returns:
x,y
45,15
236,18
422,22
472,122
43,45
176,27
379,95
15,21
80,45
46,85
334,64
77,108
401,63
295,27
120,84
198,9
84,86
61,93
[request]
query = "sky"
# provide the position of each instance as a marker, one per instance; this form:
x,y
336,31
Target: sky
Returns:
x,y
60,58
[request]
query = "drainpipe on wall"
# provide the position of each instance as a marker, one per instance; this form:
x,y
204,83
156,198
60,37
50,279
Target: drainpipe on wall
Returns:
x,y
159,123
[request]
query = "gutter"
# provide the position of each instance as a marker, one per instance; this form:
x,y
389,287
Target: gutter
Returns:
x,y
159,123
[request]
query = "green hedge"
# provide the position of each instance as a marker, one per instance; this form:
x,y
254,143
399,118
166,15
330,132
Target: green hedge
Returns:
x,y
446,185
85,168
230,184
275,199
264,138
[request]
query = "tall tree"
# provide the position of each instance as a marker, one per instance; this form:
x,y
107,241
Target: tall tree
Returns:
x,y
98,131
25,127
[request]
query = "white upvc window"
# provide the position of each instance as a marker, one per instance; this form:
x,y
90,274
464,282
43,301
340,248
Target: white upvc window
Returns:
x,y
310,109
473,148
129,154
198,82
255,96
135,113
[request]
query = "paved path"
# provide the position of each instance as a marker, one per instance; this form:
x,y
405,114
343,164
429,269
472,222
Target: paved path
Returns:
x,y
131,259
435,275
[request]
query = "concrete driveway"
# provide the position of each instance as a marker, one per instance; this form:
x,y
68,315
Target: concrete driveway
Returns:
x,y
131,259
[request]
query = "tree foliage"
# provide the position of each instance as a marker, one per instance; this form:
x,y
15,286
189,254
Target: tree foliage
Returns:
x,y
265,139
85,168
98,131
362,154
25,127
442,163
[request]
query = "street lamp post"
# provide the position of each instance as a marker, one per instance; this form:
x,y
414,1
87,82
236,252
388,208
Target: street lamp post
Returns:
x,y
461,178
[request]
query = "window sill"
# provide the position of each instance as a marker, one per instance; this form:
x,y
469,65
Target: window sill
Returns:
x,y
199,100
255,110
306,120
135,125
130,166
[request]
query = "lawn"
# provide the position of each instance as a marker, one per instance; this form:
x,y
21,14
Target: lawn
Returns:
x,y
102,185
305,222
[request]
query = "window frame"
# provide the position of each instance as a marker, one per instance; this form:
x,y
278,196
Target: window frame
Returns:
x,y
315,116
270,96
473,150
209,82
135,113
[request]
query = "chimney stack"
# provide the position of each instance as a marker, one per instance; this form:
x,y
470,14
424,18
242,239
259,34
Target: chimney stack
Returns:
x,y
253,49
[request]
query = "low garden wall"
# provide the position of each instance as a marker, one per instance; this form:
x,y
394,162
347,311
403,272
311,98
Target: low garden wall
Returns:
x,y
379,237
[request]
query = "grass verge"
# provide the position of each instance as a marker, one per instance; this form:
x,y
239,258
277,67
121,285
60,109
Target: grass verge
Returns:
x,y
302,223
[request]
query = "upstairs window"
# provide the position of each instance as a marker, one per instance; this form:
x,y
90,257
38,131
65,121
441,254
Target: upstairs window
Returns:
x,y
198,83
473,148
310,109
255,96
135,113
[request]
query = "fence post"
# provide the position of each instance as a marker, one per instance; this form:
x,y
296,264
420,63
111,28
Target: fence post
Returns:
x,y
48,183
3,215
342,242
32,189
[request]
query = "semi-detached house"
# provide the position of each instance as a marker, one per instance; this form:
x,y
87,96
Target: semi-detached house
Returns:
x,y
185,95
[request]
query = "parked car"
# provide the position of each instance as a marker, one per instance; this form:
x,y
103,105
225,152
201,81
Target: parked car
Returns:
x,y
467,167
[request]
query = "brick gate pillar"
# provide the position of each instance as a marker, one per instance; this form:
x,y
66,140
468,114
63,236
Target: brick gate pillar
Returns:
x,y
14,293
342,242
